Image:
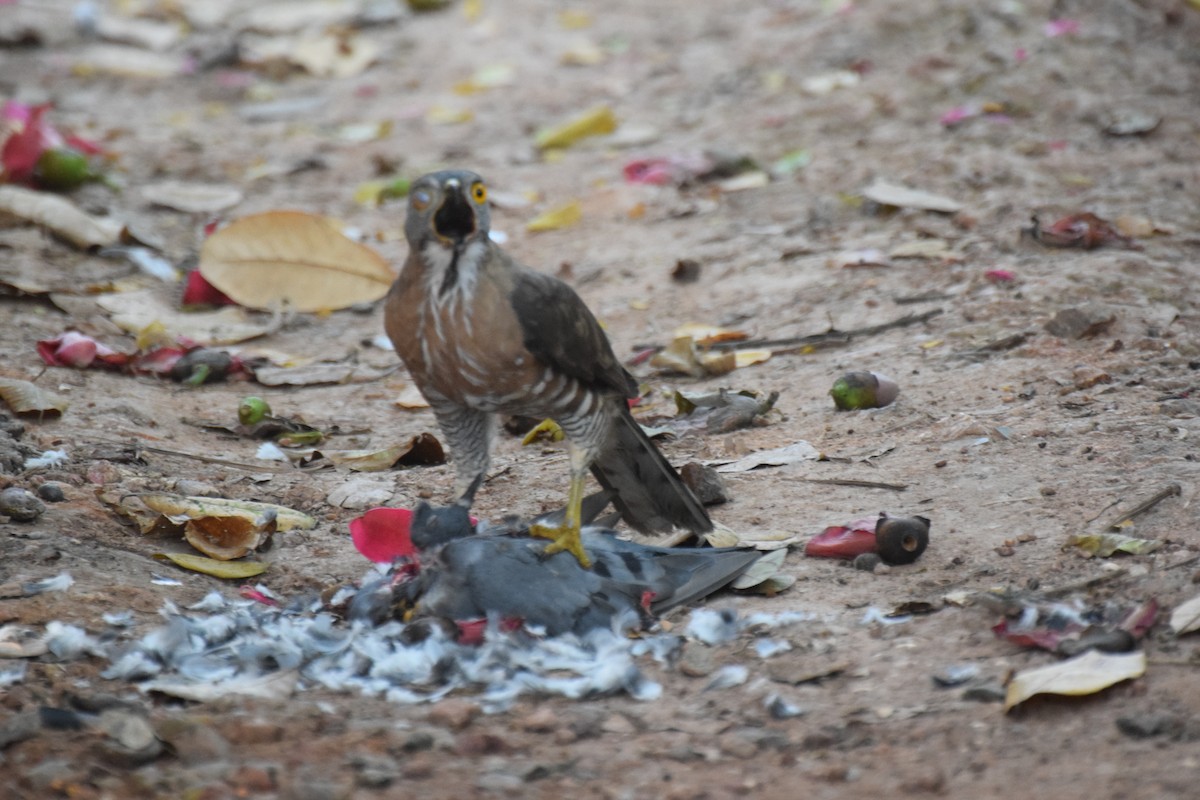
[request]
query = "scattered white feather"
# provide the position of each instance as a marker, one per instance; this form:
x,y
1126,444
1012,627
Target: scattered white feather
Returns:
x,y
269,451
13,675
713,627
118,619
874,615
163,580
69,642
771,647
780,708
728,676
761,619
50,458
213,601
58,583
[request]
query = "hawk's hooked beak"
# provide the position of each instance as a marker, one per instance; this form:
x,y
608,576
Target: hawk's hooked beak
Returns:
x,y
455,220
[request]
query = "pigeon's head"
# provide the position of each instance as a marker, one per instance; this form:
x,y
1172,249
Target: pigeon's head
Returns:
x,y
433,526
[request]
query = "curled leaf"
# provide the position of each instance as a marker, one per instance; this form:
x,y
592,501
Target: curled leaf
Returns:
x,y
227,538
60,216
180,506
595,121
383,534
24,397
230,570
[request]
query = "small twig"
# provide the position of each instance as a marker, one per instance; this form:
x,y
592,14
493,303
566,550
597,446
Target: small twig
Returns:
x,y
831,336
927,297
1086,583
793,343
895,487
162,451
1170,490
1186,562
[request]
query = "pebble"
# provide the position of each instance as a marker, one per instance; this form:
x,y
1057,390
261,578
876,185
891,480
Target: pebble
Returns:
x,y
20,505
193,742
705,483
697,661
131,739
375,771
1150,724
453,714
51,492
543,720
867,562
985,693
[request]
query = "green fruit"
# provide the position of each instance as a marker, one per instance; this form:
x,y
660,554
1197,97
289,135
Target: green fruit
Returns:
x,y
62,169
858,390
253,410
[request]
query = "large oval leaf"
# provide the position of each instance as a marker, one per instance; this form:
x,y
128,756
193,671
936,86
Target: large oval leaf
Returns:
x,y
293,260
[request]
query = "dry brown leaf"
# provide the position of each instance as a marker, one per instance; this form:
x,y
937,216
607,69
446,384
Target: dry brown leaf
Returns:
x,y
133,311
227,538
24,397
61,216
1082,675
183,508
293,260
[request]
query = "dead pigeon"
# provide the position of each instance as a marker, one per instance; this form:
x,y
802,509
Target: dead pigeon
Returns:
x,y
501,571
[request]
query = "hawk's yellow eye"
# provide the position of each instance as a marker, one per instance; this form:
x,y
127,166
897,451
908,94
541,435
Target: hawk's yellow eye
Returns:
x,y
479,192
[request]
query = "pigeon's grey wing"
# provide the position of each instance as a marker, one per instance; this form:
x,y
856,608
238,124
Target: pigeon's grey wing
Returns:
x,y
676,576
507,575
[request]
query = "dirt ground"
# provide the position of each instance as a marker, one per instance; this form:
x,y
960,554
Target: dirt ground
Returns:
x,y
1008,449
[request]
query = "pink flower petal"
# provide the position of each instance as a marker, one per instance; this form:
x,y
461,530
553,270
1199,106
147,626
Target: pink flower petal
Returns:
x,y
1000,276
383,534
250,593
958,114
1061,27
22,149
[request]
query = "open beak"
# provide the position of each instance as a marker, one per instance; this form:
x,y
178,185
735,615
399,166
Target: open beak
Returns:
x,y
455,220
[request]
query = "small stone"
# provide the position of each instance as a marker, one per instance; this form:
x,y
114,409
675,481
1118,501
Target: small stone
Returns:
x,y
1147,725
20,505
193,742
544,720
867,562
618,724
686,270
503,782
480,744
453,714
51,492
1005,550
697,661
418,767
1079,323
131,739
375,771
418,741
737,745
705,483
194,488
882,569
254,779
254,731
985,693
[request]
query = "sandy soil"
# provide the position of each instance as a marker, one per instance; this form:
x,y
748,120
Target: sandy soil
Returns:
x,y
1009,451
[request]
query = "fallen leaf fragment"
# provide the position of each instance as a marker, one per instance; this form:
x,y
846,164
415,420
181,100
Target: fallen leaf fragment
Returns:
x,y
226,538
1106,544
60,216
195,198
844,541
24,397
411,398
1082,675
596,121
1186,617
559,217
704,334
1084,230
778,457
230,570
890,194
423,449
293,260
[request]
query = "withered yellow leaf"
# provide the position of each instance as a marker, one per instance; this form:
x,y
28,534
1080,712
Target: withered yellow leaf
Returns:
x,y
561,217
184,507
234,570
293,260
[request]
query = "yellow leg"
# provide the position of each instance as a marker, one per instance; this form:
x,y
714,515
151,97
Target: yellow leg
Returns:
x,y
566,537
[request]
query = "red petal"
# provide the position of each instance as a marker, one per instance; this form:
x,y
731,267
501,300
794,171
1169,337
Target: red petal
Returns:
x,y
1044,638
23,149
159,361
382,534
250,593
842,541
199,292
89,147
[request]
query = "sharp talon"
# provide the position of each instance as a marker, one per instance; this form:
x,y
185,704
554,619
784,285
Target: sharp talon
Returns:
x,y
565,539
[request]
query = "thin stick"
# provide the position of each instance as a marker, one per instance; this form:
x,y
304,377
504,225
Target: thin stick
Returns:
x,y
1170,490
833,336
895,487
162,451
1086,583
